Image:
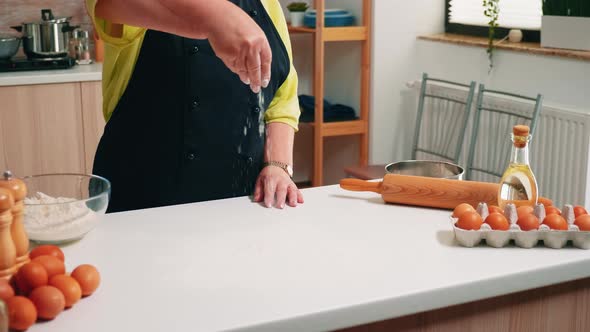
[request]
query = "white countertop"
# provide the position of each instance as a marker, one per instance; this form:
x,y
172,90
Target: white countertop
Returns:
x,y
78,73
339,260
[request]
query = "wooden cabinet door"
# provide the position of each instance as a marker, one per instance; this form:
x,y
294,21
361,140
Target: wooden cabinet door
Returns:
x,y
92,118
41,129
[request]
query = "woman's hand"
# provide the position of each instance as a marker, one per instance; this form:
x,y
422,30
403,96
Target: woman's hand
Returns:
x,y
242,46
275,187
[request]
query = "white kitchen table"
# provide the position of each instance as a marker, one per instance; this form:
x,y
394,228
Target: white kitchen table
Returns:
x,y
339,260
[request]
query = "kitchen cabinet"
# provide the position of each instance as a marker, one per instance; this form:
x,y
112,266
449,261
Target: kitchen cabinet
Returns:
x,y
50,128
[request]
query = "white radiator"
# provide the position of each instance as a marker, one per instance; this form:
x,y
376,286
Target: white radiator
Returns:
x,y
560,148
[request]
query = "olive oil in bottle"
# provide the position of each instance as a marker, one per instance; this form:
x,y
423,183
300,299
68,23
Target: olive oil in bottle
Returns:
x,y
518,185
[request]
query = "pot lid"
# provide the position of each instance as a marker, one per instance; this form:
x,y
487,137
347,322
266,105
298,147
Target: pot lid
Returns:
x,y
48,18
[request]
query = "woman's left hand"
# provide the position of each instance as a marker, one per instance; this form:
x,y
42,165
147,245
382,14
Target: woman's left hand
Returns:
x,y
275,186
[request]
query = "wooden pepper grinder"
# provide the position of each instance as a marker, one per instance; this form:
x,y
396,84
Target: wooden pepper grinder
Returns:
x,y
7,248
19,235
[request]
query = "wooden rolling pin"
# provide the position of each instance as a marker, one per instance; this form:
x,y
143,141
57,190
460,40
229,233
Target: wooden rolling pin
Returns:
x,y
429,192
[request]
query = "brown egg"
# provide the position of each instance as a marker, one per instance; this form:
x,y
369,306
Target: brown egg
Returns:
x,y
462,208
22,314
470,220
52,265
497,221
556,222
48,300
31,276
88,277
583,222
68,286
579,211
495,209
552,210
6,290
528,222
523,210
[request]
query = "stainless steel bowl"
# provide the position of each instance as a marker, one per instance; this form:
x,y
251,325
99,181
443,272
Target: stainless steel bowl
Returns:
x,y
428,168
8,46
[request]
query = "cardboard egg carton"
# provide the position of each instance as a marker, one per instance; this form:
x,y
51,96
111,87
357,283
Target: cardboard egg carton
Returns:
x,y
525,239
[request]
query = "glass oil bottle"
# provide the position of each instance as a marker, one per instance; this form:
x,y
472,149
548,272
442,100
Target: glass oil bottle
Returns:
x,y
518,185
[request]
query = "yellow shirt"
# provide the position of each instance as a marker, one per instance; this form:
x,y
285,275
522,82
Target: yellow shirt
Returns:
x,y
121,54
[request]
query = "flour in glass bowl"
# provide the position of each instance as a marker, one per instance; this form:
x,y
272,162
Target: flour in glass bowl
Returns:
x,y
48,218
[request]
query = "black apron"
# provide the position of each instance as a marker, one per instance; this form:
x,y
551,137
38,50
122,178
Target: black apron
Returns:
x,y
186,128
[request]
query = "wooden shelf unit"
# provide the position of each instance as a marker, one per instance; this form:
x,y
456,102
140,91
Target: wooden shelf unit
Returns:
x,y
360,127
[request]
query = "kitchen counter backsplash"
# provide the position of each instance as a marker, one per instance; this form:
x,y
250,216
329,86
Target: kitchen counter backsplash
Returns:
x,y
15,12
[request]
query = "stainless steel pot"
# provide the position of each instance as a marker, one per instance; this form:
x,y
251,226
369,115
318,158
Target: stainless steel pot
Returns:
x,y
8,46
428,168
47,38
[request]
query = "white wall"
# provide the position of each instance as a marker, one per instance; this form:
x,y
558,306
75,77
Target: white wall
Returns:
x,y
399,57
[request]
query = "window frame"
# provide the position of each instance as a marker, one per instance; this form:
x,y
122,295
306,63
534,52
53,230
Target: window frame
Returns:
x,y
474,30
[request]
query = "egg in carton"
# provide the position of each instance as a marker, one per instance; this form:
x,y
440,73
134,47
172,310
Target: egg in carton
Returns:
x,y
525,239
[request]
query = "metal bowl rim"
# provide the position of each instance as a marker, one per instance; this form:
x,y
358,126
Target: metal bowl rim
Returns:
x,y
411,161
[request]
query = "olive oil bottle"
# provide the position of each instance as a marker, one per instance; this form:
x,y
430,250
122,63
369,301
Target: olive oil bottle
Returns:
x,y
518,185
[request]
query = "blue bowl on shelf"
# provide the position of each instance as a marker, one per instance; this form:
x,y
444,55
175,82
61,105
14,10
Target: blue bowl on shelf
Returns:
x,y
333,18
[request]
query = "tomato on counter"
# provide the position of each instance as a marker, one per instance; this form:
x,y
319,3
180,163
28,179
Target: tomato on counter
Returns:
x,y
48,300
22,314
88,278
52,265
47,249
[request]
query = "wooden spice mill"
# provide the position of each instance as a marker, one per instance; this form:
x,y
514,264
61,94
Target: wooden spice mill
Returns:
x,y
14,242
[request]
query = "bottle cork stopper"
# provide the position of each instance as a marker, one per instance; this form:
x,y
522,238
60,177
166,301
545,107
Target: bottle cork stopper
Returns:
x,y
521,135
17,186
521,130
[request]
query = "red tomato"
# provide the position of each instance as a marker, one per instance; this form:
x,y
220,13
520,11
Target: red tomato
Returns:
x,y
47,250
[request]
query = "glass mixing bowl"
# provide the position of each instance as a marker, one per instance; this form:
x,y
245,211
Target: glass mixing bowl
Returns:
x,y
61,208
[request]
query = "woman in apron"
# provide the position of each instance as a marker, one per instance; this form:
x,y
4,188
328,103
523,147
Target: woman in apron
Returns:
x,y
201,103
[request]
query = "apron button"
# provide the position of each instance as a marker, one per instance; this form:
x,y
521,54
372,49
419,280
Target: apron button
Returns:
x,y
256,109
194,105
250,161
195,49
253,13
191,156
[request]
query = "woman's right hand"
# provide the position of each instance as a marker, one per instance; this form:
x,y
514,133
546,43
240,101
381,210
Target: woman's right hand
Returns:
x,y
242,46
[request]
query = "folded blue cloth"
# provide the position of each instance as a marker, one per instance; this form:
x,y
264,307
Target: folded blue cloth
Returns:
x,y
332,113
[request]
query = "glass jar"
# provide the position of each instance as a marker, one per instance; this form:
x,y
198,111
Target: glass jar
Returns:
x,y
80,47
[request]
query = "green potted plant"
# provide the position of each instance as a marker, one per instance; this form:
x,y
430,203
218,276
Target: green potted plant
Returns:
x,y
491,11
297,12
565,24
